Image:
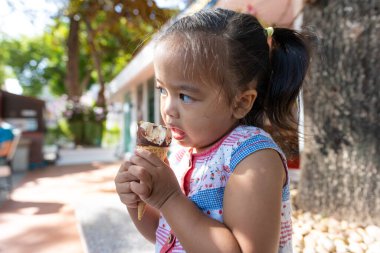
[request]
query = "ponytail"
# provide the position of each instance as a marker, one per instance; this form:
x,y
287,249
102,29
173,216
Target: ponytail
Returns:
x,y
289,60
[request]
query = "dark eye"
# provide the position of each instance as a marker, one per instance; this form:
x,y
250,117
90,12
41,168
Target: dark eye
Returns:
x,y
161,90
185,98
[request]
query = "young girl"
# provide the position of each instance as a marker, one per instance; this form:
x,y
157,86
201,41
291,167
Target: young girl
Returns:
x,y
221,76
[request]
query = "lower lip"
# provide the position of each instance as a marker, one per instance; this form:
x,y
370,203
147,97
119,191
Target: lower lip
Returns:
x,y
178,134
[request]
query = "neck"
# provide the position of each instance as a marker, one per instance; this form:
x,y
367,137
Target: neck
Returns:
x,y
206,148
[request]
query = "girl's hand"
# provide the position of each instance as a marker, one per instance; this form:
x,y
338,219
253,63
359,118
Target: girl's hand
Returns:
x,y
157,180
123,181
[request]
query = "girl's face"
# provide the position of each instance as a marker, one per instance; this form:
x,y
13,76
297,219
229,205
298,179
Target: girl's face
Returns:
x,y
197,114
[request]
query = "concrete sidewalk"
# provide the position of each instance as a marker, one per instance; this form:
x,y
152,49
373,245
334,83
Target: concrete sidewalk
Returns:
x,y
107,228
72,208
74,156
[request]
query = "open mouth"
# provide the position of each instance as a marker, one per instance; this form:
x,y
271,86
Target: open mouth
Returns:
x,y
177,134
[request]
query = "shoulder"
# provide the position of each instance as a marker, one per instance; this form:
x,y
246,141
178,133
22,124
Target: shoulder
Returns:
x,y
244,133
249,140
265,163
258,176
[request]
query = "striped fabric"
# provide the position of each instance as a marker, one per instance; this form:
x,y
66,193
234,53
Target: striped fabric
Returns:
x,y
210,175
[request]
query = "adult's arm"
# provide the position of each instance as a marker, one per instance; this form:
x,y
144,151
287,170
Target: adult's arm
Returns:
x,y
5,148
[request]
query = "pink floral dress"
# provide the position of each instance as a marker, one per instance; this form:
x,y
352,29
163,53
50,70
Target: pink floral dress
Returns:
x,y
210,172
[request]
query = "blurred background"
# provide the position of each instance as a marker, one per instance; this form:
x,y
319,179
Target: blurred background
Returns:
x,y
77,75
63,54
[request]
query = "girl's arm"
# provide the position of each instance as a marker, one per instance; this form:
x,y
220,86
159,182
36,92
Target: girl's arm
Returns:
x,y
148,225
252,201
252,204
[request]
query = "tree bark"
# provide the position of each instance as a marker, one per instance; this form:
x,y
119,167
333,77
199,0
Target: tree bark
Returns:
x,y
101,101
73,87
340,164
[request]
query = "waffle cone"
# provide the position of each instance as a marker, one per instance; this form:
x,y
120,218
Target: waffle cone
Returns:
x,y
140,210
160,152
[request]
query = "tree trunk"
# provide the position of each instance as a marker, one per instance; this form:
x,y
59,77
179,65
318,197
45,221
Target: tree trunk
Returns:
x,y
101,101
73,87
341,161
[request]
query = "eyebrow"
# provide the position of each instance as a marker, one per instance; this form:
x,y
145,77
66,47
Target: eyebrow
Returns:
x,y
186,87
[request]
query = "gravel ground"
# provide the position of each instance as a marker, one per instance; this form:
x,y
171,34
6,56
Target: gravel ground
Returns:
x,y
313,233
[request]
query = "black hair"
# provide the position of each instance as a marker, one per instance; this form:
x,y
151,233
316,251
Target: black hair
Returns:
x,y
232,50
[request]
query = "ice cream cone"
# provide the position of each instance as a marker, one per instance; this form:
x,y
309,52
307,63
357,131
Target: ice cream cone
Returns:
x,y
160,152
140,210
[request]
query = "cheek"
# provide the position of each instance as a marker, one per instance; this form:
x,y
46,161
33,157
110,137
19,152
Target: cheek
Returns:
x,y
162,112
162,105
218,113
206,123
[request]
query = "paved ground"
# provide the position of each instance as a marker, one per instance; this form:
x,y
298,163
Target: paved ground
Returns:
x,y
73,208
68,208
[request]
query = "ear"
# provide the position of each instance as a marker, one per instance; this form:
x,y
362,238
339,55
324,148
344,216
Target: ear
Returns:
x,y
243,103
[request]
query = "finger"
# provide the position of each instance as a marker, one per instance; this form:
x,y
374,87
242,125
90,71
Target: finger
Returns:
x,y
133,205
124,166
124,176
123,188
149,157
130,199
141,189
141,173
140,161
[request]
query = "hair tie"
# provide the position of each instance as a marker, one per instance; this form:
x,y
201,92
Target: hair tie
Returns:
x,y
269,30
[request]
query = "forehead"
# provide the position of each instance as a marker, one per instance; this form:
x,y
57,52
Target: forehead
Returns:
x,y
169,58
193,58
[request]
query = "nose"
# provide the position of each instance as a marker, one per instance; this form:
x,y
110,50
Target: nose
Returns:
x,y
169,107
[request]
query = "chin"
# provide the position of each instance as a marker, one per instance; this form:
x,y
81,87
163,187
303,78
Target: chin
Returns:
x,y
182,143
